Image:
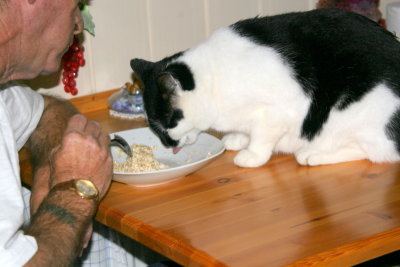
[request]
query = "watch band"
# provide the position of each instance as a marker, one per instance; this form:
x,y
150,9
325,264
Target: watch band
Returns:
x,y
72,185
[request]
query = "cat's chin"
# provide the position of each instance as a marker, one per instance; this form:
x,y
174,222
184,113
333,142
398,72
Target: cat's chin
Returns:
x,y
189,137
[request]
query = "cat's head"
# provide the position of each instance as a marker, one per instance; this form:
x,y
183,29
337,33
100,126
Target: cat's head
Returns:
x,y
163,81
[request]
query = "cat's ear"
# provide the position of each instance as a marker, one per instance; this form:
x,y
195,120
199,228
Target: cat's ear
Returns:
x,y
139,66
168,84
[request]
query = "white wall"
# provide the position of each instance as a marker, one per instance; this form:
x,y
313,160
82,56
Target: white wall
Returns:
x,y
153,29
383,4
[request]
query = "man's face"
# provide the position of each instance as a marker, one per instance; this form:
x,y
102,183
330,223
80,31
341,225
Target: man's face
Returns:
x,y
52,34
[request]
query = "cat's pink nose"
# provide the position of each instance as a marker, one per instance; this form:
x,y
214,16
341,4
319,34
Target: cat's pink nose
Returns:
x,y
176,149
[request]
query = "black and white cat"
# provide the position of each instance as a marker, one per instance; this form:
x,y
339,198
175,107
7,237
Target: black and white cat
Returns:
x,y
323,84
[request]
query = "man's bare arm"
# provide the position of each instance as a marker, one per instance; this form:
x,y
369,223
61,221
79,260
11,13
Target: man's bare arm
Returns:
x,y
78,150
50,130
46,137
59,227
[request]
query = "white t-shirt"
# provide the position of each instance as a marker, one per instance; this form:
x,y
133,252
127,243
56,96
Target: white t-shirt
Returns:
x,y
20,112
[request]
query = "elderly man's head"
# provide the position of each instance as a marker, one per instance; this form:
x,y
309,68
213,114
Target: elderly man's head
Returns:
x,y
41,31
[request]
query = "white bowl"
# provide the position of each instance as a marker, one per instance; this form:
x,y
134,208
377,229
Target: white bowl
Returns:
x,y
188,160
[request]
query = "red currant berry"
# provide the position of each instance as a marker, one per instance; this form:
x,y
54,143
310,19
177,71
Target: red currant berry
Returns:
x,y
79,55
72,83
74,47
67,89
65,80
74,91
71,74
67,66
82,62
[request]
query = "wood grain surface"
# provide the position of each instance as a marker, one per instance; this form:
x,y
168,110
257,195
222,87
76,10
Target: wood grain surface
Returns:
x,y
281,214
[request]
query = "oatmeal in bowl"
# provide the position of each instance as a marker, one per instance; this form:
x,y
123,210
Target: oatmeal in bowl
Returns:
x,y
153,164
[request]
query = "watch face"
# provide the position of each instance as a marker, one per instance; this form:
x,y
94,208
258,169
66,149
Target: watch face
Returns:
x,y
86,188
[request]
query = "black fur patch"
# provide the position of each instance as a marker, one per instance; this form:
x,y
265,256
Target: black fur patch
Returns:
x,y
393,129
337,57
183,74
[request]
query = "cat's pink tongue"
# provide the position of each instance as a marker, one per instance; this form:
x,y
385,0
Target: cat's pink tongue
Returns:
x,y
176,149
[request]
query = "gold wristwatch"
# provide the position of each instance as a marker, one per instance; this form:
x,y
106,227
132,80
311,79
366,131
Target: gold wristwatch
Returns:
x,y
83,188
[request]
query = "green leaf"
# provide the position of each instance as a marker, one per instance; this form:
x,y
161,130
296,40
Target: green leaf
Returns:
x,y
87,19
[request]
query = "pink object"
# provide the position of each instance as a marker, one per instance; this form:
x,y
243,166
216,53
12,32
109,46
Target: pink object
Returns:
x,y
176,149
368,8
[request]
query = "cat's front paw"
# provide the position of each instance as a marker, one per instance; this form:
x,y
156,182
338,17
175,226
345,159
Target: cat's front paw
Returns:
x,y
343,154
235,141
308,158
249,159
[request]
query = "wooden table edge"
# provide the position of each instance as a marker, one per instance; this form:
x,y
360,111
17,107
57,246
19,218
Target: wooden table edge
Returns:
x,y
350,254
346,255
154,239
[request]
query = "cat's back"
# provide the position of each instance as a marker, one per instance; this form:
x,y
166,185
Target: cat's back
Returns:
x,y
303,28
326,39
321,39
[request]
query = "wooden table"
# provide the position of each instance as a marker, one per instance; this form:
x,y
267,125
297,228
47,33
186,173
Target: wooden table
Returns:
x,y
276,215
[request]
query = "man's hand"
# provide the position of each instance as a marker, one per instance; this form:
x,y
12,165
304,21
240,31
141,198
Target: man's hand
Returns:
x,y
84,153
57,130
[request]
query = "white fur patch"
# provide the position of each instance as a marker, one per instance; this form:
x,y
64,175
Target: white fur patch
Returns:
x,y
358,131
